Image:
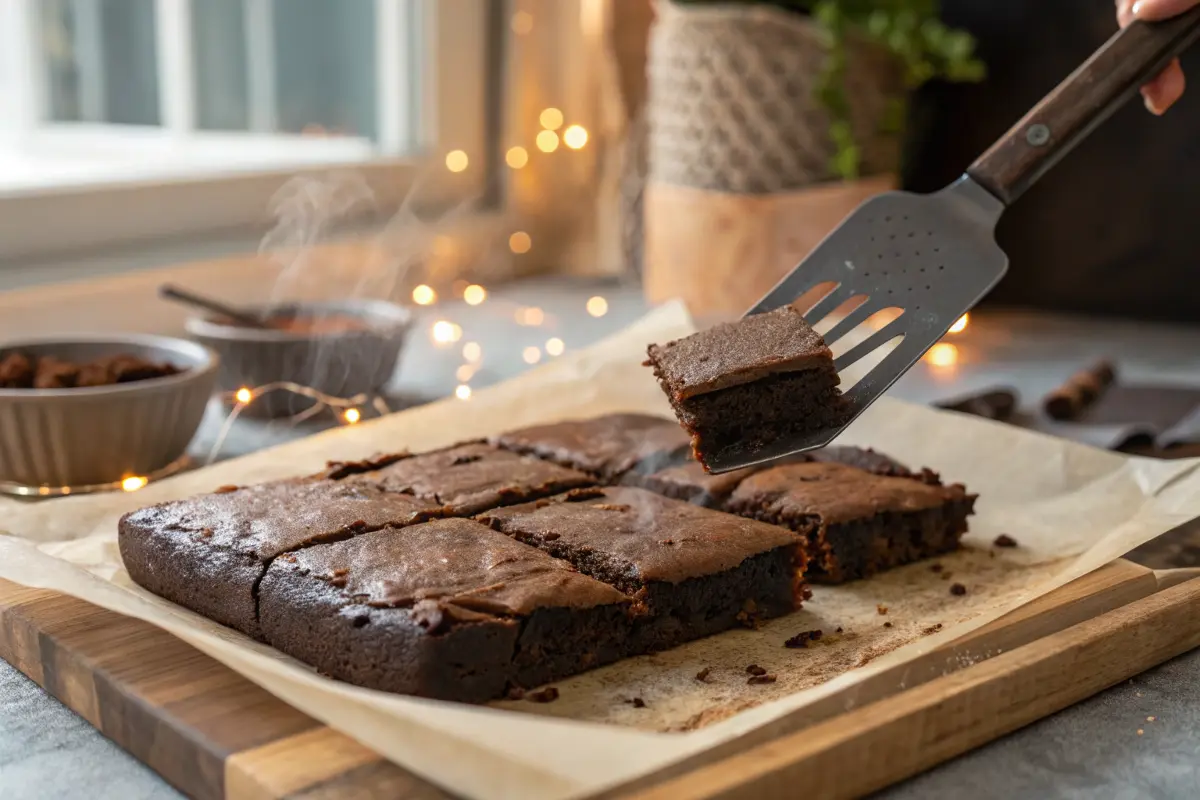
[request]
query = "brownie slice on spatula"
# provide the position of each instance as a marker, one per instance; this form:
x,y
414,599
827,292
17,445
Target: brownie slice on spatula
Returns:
x,y
740,386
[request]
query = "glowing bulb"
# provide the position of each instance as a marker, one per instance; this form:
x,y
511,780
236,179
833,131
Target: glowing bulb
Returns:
x,y
423,295
474,294
446,332
456,160
522,23
243,395
597,306
472,352
134,483
551,118
465,372
530,316
516,157
961,325
547,141
555,346
462,392
351,415
575,137
520,242
942,355
532,355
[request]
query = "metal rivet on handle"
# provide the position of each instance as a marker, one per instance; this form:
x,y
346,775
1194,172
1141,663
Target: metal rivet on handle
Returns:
x,y
1037,135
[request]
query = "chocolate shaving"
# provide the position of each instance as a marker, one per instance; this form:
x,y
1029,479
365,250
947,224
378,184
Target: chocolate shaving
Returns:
x,y
804,638
1004,540
1084,388
547,695
226,489
755,680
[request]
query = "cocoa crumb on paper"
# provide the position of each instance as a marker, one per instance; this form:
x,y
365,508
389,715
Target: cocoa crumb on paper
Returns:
x,y
755,669
957,589
936,568
1004,540
880,608
804,639
703,674
887,624
932,629
755,680
547,695
637,702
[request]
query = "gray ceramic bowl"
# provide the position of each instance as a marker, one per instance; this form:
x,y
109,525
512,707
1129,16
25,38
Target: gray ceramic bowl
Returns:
x,y
340,364
102,434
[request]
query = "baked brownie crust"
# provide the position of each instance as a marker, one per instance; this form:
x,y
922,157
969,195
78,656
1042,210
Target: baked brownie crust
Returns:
x,y
446,609
742,385
605,446
857,523
208,553
696,571
472,477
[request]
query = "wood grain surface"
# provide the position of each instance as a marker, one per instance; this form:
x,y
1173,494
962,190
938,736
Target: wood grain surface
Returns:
x,y
213,734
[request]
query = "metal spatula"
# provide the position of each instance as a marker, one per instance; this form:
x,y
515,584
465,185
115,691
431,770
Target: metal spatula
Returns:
x,y
935,256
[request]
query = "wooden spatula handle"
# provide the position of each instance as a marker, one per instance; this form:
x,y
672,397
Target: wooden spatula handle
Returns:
x,y
1130,59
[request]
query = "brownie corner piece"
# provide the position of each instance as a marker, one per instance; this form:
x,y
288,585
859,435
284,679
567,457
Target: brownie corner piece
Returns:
x,y
858,523
208,553
447,609
741,386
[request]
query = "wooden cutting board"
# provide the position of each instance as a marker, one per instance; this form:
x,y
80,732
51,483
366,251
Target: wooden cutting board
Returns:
x,y
213,734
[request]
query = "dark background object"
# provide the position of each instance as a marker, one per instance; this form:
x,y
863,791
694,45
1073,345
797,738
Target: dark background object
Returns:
x,y
1112,230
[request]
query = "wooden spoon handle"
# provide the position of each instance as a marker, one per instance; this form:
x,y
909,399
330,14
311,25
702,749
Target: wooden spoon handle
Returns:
x,y
1114,73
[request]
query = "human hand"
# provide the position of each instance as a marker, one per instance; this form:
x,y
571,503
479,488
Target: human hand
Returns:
x,y
1162,92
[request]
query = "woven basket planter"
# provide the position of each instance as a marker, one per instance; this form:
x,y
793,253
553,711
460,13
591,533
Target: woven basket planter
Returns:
x,y
733,111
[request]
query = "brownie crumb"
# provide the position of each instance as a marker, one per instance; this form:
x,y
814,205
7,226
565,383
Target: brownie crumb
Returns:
x,y
958,589
611,506
1004,540
703,674
936,568
515,693
579,495
946,575
667,541
839,630
881,608
887,624
932,629
547,695
637,702
754,680
755,669
803,639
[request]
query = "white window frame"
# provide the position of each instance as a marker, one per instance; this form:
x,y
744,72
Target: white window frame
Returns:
x,y
215,193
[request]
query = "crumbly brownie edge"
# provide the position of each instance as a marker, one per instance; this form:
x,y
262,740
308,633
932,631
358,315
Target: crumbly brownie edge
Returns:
x,y
217,583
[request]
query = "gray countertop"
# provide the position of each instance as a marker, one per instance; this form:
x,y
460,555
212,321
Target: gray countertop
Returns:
x,y
1091,750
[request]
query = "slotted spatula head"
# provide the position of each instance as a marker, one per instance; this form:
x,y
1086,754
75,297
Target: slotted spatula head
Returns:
x,y
935,256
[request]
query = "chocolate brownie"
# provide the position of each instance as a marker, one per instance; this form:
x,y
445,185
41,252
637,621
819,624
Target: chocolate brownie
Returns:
x,y
605,447
469,478
208,553
683,477
695,571
446,609
740,386
856,523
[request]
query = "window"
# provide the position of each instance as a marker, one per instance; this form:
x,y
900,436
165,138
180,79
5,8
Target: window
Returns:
x,y
190,112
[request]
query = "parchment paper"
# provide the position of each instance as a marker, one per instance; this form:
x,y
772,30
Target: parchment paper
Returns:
x,y
1072,508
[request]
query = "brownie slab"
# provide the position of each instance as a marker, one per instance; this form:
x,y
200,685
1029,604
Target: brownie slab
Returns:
x,y
468,478
857,523
740,386
208,553
447,609
682,477
695,571
605,447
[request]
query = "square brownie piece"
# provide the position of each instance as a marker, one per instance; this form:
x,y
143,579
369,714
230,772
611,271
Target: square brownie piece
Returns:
x,y
208,553
605,447
740,386
682,477
469,478
446,609
856,523
695,571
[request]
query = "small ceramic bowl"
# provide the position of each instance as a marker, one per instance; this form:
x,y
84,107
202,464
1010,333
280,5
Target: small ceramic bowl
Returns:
x,y
97,435
328,356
